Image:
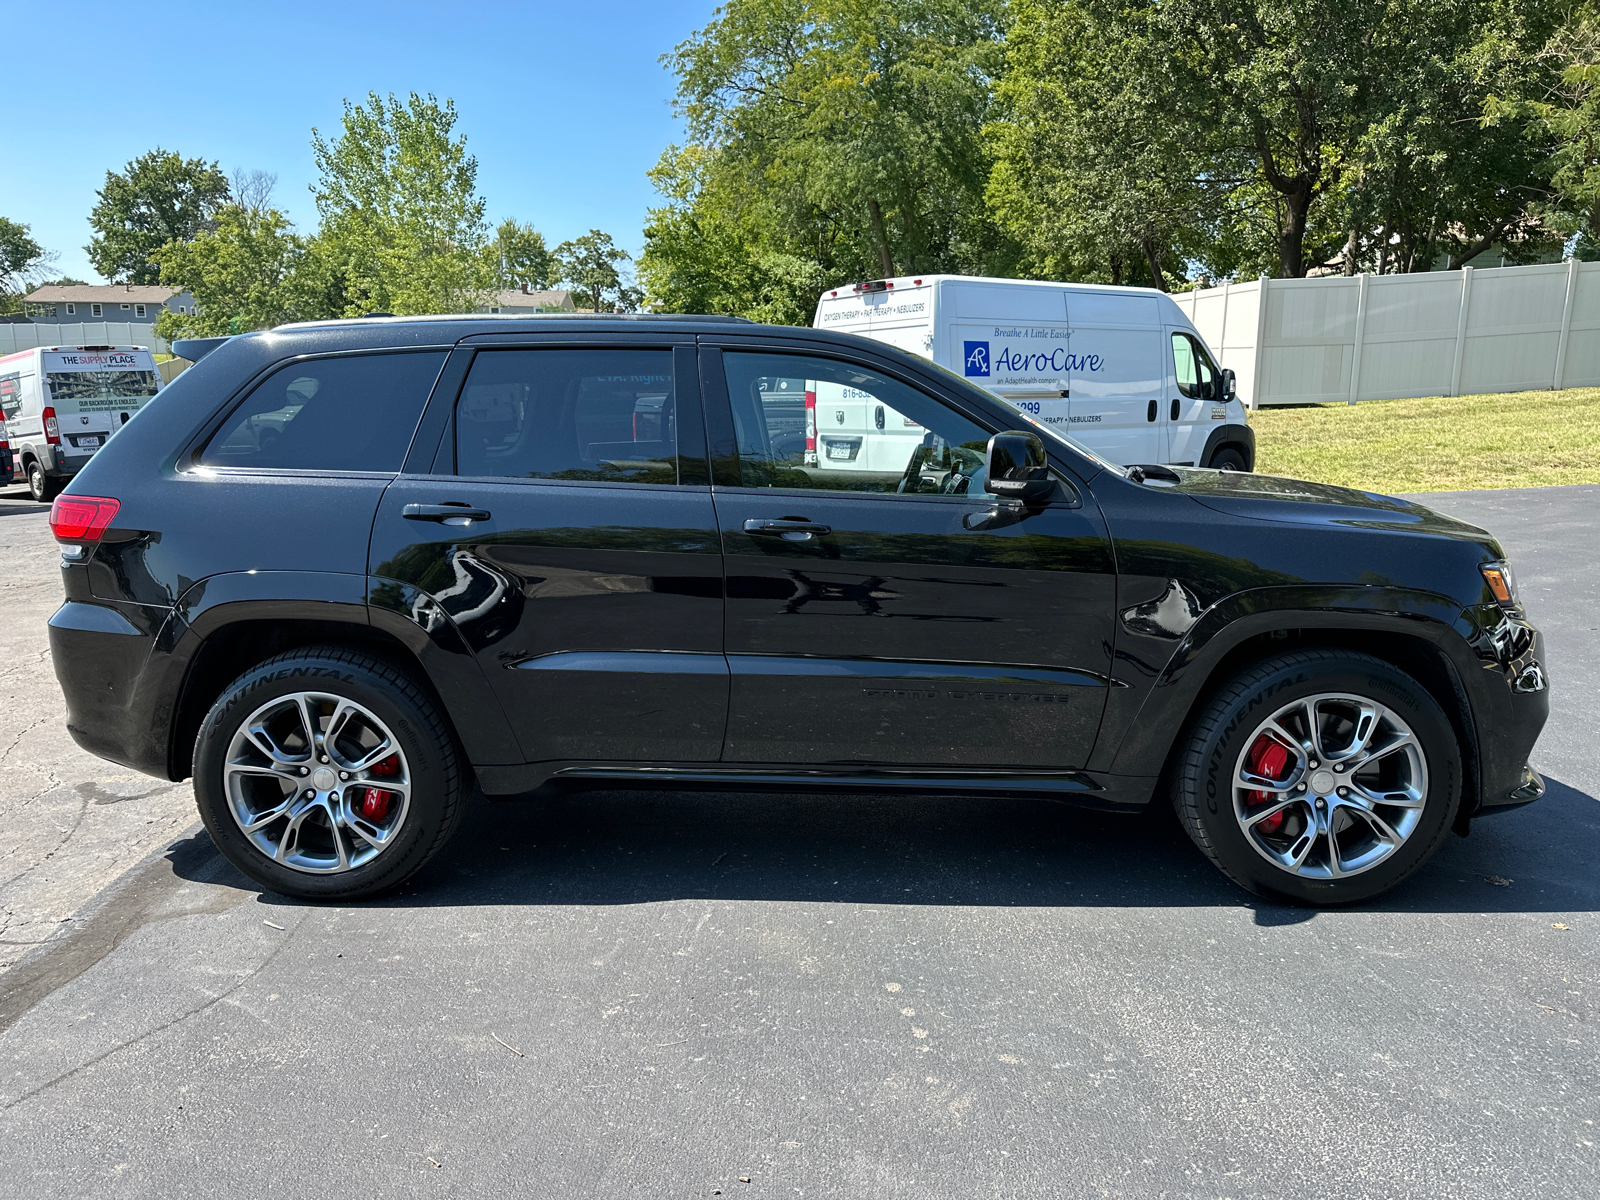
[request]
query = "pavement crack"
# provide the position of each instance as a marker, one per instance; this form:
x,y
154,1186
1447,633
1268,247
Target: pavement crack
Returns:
x,y
162,1028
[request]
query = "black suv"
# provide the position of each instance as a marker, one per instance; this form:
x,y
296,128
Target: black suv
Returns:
x,y
340,572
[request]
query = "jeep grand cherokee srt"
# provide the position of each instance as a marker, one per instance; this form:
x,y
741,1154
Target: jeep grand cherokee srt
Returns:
x,y
341,572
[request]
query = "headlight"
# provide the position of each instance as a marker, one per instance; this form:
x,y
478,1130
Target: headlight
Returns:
x,y
1502,584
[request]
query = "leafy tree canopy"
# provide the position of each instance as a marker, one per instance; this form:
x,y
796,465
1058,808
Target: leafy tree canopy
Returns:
x,y
830,139
521,257
158,198
248,271
403,229
589,264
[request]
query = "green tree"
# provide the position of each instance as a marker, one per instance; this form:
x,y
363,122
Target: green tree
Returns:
x,y
1559,111
247,272
21,261
829,139
521,258
589,264
158,198
402,228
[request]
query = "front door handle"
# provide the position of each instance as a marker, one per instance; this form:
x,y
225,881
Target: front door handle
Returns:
x,y
790,529
450,514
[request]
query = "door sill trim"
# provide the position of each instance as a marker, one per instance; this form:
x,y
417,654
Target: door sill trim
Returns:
x,y
1091,789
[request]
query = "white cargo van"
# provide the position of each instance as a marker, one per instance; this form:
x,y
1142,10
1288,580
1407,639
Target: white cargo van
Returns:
x,y
62,403
1120,369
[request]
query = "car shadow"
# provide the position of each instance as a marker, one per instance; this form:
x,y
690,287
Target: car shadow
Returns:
x,y
636,847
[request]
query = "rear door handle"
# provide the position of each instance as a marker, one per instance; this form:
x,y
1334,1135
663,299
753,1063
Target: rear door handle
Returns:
x,y
790,529
449,514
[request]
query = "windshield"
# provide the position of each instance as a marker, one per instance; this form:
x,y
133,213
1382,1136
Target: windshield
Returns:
x,y
100,385
1055,435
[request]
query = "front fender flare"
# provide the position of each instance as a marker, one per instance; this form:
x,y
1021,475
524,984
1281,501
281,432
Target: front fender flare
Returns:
x,y
1141,745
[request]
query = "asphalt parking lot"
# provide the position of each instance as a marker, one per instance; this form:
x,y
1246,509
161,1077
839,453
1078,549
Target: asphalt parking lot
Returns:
x,y
688,995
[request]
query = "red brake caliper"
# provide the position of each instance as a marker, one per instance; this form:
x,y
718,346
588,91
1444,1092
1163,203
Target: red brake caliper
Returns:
x,y
1268,758
376,802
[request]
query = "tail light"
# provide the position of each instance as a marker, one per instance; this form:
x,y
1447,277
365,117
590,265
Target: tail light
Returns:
x,y
52,430
811,422
81,518
5,437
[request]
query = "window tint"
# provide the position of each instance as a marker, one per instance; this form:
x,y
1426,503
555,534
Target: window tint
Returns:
x,y
330,414
601,414
817,424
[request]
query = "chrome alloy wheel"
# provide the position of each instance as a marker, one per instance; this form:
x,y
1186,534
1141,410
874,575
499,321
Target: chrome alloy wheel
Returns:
x,y
1330,786
317,782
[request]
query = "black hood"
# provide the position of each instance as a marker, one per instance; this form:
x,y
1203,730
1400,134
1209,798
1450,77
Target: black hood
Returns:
x,y
1298,501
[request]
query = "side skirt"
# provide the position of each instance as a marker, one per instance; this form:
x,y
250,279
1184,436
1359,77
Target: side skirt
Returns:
x,y
1089,789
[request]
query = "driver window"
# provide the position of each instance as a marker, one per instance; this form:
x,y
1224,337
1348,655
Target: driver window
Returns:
x,y
815,424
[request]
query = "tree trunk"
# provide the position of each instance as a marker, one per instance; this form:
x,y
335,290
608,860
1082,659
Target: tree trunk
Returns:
x,y
881,237
1292,233
1350,254
1116,270
1153,257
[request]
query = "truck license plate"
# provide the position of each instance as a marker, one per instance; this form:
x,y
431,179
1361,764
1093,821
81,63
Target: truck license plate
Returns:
x,y
838,451
89,443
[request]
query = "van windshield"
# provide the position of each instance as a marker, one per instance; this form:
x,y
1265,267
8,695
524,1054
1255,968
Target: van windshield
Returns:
x,y
90,386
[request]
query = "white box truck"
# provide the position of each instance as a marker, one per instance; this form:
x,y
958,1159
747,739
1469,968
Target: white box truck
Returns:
x,y
1120,369
60,404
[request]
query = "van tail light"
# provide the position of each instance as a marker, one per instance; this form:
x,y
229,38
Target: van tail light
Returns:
x,y
81,518
52,430
811,422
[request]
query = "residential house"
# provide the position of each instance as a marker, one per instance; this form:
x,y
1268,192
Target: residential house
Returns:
x,y
134,303
524,301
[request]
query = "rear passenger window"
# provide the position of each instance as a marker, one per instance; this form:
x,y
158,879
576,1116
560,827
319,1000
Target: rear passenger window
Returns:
x,y
330,414
600,415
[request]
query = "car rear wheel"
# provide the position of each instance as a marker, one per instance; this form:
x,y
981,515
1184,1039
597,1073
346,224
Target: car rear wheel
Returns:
x,y
325,774
40,486
1228,459
1320,778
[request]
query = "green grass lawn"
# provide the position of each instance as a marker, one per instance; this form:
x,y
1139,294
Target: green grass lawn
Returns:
x,y
1437,444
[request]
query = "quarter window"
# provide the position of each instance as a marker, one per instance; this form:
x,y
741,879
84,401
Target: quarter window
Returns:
x,y
330,414
817,424
600,415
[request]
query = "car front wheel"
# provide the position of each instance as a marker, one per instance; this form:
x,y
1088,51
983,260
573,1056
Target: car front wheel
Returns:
x,y
328,775
1320,778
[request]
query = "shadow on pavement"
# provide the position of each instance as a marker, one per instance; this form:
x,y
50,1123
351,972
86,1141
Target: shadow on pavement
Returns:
x,y
609,848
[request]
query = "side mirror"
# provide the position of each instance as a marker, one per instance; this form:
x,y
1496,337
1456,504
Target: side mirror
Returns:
x,y
1230,383
1018,469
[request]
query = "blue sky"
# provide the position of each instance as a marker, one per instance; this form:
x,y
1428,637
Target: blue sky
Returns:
x,y
564,104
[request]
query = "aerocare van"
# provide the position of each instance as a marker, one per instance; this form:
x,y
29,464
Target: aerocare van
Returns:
x,y
61,404
1121,370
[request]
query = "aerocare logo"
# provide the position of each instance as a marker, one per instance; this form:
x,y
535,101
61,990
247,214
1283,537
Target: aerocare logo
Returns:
x,y
977,358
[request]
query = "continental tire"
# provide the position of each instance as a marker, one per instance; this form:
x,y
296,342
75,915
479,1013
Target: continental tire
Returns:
x,y
1323,777
325,774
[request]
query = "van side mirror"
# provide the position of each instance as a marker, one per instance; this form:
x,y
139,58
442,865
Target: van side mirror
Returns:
x,y
1018,469
1230,383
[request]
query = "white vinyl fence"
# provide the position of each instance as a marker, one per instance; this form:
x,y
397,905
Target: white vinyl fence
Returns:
x,y
1382,337
80,333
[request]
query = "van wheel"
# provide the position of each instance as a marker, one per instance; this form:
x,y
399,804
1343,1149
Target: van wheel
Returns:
x,y
40,486
1228,459
327,775
1320,778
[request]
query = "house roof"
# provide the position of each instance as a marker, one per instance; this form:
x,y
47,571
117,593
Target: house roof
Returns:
x,y
108,293
517,298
